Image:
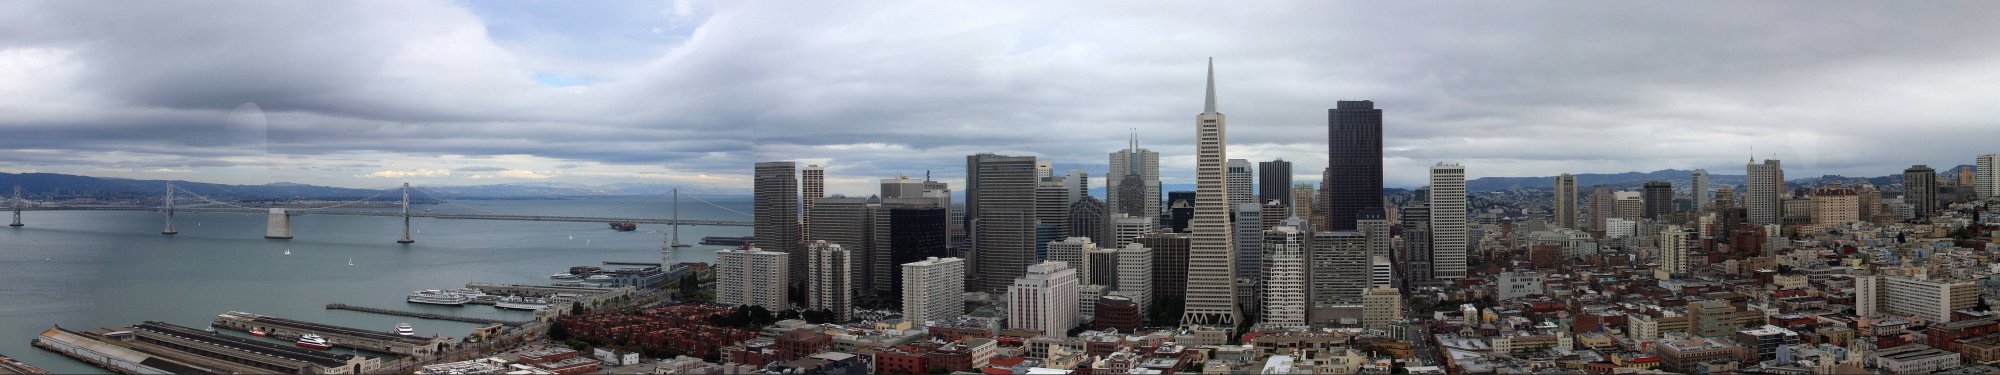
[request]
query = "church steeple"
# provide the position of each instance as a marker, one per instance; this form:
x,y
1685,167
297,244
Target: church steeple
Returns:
x,y
1209,107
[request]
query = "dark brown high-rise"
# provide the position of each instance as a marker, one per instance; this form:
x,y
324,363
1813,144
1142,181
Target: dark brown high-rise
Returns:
x,y
1354,163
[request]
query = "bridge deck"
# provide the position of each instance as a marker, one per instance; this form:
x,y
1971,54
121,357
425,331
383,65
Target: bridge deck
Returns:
x,y
298,212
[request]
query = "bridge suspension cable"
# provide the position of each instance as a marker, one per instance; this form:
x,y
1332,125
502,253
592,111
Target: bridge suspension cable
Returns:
x,y
220,202
719,206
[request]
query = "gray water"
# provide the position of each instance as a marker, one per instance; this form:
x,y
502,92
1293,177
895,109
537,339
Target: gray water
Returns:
x,y
86,269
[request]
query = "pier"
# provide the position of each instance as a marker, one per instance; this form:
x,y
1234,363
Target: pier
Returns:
x,y
357,338
423,315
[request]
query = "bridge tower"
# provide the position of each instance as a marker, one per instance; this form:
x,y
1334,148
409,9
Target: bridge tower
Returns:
x,y
278,224
170,210
17,206
406,216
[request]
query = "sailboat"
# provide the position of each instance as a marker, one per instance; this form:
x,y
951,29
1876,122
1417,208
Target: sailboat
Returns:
x,y
572,236
288,251
350,261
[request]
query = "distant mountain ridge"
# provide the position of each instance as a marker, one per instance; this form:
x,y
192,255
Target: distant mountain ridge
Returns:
x,y
1680,179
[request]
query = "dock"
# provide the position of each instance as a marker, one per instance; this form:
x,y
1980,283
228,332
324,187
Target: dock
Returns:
x,y
356,338
423,315
9,366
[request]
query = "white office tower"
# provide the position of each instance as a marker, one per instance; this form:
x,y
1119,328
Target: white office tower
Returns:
x,y
1127,228
1565,201
1242,183
1674,245
1135,275
1211,286
812,187
1044,300
933,289
1284,278
1381,272
1867,295
1986,176
832,283
1448,235
1072,250
1132,186
1766,187
1377,233
751,276
1078,184
1699,190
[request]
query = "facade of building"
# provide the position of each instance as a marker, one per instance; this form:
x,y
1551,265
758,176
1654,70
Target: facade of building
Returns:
x,y
1274,182
1283,299
1659,197
848,222
1126,229
1835,205
1986,176
752,276
1766,186
1044,299
905,232
1337,274
1088,219
1072,251
933,289
1242,182
812,187
832,285
1698,189
1603,205
1249,231
1000,205
1381,308
776,214
1211,284
1135,275
1133,185
1932,300
1920,190
1448,233
1353,181
1565,201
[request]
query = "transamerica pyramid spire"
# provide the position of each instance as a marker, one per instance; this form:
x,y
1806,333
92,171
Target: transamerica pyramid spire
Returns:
x,y
1209,107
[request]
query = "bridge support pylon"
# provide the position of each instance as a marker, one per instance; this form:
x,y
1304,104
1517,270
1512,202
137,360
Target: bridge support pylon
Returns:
x,y
170,211
406,216
278,225
17,207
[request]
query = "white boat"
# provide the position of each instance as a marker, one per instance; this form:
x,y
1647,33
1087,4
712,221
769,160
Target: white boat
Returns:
x,y
468,292
313,341
519,303
405,329
350,261
598,278
438,297
288,251
564,276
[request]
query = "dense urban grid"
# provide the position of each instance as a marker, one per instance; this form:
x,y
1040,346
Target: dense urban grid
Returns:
x,y
1249,272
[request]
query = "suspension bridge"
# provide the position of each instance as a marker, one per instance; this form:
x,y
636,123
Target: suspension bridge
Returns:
x,y
278,222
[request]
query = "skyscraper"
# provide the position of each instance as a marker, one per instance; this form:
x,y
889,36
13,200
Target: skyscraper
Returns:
x,y
1249,233
848,222
1284,278
1674,247
812,187
1126,229
1448,240
1211,298
751,276
1044,299
1603,205
1416,255
832,283
1133,185
1986,175
1242,188
1000,205
1274,182
1659,200
1336,274
1051,213
1565,201
906,230
1170,264
1135,275
1766,187
1072,251
1087,219
776,214
1353,182
1920,191
1699,190
933,289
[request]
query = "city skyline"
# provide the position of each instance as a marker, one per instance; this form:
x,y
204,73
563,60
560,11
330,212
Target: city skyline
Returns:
x,y
515,101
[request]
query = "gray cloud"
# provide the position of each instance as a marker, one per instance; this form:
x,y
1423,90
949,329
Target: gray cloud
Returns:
x,y
878,89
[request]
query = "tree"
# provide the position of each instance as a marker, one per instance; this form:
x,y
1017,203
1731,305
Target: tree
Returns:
x,y
558,333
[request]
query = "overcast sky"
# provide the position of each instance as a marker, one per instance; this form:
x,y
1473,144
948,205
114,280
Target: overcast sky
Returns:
x,y
371,94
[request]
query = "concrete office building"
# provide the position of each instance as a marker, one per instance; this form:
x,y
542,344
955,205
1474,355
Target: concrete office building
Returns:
x,y
1135,276
1766,187
1170,264
1242,182
1659,200
1931,300
1127,228
1088,219
1698,189
1044,299
1381,308
1211,287
1051,213
1920,191
775,213
832,285
848,222
1353,179
1274,182
1072,251
933,289
1336,275
1000,205
1603,205
1835,206
1249,233
1565,201
1283,294
752,276
812,187
906,230
1133,185
1986,176
1448,233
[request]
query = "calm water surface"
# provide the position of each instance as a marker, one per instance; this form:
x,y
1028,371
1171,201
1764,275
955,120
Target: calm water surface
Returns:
x,y
85,269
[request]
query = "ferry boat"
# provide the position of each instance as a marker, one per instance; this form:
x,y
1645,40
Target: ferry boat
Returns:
x,y
624,226
259,332
565,276
520,303
438,297
598,278
405,329
313,341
